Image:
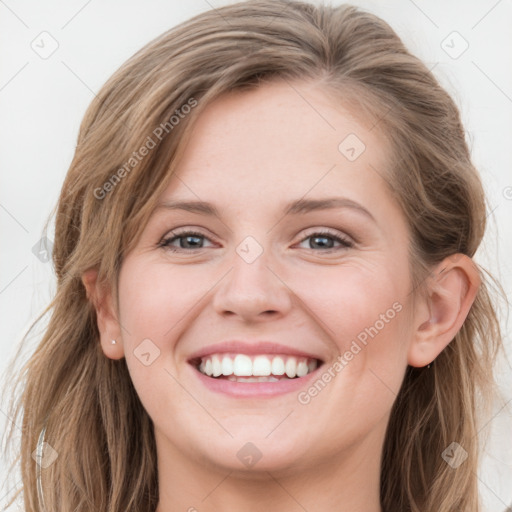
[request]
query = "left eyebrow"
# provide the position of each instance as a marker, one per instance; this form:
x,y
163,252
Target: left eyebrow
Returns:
x,y
300,206
307,205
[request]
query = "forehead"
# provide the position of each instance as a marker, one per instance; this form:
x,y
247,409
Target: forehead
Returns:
x,y
279,142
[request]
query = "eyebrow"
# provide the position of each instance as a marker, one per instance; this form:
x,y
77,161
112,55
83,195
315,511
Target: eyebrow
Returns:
x,y
300,206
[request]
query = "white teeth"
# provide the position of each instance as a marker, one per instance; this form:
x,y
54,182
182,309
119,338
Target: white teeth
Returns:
x,y
208,367
291,367
302,369
277,366
216,366
259,367
252,379
242,366
227,366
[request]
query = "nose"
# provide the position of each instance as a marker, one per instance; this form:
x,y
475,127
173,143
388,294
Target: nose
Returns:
x,y
253,291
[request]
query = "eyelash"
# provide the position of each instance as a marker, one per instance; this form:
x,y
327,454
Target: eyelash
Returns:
x,y
346,244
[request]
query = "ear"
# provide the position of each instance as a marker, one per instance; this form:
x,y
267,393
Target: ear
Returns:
x,y
451,291
101,298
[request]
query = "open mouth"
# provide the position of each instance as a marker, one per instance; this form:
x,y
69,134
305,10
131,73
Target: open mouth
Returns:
x,y
255,368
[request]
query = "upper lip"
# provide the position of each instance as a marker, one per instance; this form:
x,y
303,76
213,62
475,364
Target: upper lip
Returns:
x,y
251,348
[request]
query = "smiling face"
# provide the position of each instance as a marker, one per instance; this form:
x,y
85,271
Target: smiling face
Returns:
x,y
325,281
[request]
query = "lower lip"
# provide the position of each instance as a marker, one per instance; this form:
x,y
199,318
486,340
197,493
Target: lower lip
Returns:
x,y
255,389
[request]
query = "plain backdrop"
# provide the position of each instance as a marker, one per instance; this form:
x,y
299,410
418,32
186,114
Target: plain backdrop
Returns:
x,y
54,57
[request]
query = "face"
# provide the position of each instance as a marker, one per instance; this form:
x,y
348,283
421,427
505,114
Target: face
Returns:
x,y
273,281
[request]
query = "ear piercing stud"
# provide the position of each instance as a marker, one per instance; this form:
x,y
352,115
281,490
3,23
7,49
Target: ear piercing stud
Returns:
x,y
113,342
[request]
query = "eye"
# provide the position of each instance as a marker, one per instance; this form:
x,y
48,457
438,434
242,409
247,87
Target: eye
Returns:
x,y
187,240
325,239
193,240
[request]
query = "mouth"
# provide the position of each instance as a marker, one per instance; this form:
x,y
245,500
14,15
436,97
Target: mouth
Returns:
x,y
244,368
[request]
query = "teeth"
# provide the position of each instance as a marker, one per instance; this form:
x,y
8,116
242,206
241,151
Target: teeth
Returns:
x,y
216,366
242,366
227,366
277,366
259,368
253,379
208,367
291,367
302,369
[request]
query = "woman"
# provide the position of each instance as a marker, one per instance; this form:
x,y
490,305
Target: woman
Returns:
x,y
266,294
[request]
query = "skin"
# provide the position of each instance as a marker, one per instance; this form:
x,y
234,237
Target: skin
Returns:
x,y
250,154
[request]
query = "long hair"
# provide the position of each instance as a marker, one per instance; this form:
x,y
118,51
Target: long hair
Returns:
x,y
85,403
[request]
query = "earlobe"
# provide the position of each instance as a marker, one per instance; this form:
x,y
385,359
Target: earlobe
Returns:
x,y
109,328
452,291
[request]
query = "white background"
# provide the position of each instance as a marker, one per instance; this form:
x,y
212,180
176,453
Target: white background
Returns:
x,y
43,100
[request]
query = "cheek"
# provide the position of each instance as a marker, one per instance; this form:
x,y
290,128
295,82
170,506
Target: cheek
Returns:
x,y
157,303
150,309
366,322
353,303
363,315
154,299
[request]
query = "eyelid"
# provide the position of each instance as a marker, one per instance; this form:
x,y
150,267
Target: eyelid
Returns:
x,y
327,231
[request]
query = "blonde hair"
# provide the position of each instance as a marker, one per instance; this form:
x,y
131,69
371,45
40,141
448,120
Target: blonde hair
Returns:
x,y
85,403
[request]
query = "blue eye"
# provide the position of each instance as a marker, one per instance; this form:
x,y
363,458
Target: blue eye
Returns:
x,y
325,238
193,240
188,240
